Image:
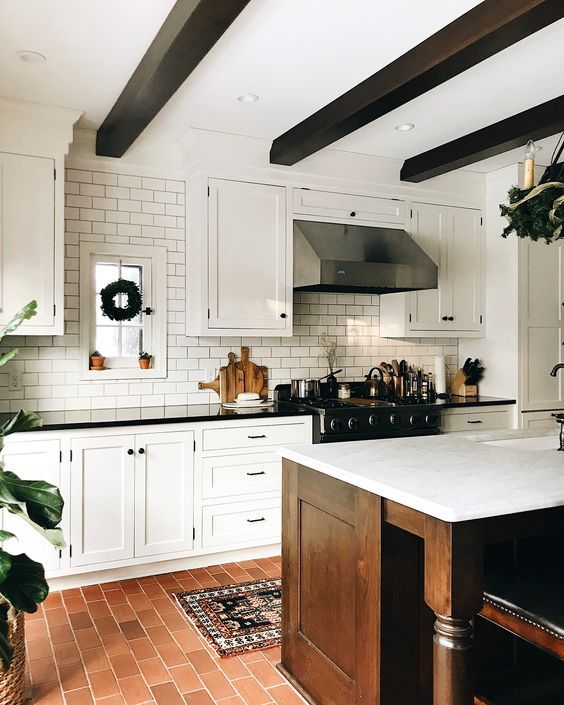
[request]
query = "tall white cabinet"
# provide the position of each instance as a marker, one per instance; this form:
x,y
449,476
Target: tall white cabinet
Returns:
x,y
33,142
239,263
453,239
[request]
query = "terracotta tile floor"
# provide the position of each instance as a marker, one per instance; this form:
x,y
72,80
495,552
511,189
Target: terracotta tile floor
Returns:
x,y
127,642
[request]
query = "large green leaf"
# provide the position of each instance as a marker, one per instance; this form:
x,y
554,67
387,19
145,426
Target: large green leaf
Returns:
x,y
5,535
27,312
18,507
23,421
43,501
6,650
10,355
25,586
5,564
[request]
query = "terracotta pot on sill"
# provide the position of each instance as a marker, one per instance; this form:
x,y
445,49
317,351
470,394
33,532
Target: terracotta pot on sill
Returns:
x,y
97,363
144,364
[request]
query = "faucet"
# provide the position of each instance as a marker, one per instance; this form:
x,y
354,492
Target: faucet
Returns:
x,y
555,369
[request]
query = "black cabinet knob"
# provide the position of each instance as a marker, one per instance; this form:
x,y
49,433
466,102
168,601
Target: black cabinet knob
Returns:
x,y
141,451
353,213
451,318
283,315
445,318
130,451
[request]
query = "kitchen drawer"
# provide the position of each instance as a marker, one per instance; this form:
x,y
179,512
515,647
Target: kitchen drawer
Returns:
x,y
253,436
469,421
349,207
228,475
240,522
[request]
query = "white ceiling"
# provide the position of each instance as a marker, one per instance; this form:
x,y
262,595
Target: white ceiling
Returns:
x,y
296,55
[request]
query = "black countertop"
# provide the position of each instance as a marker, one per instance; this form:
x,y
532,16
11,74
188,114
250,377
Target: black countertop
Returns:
x,y
154,415
465,402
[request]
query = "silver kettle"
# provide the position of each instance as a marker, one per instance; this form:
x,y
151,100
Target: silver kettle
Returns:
x,y
375,388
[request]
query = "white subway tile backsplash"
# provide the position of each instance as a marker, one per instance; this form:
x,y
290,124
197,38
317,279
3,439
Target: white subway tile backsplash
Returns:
x,y
139,210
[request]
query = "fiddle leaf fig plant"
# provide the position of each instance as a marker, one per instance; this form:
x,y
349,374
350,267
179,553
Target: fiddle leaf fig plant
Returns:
x,y
22,580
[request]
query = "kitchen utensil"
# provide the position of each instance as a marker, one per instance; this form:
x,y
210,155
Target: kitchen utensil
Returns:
x,y
305,389
376,388
330,374
396,367
253,376
210,385
467,364
231,380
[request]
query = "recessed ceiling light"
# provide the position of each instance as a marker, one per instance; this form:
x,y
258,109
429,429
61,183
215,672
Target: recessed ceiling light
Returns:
x,y
31,57
248,98
405,127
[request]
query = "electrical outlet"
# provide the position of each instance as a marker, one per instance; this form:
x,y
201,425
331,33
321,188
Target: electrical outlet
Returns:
x,y
209,374
14,381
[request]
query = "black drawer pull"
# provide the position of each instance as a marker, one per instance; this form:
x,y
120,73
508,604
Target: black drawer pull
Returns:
x,y
253,521
253,437
141,451
474,421
130,451
251,474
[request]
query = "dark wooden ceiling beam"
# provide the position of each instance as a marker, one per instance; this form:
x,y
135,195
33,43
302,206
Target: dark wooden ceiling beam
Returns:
x,y
485,30
534,124
187,35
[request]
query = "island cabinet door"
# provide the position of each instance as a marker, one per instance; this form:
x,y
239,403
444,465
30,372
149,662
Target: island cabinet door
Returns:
x,y
164,493
331,606
102,499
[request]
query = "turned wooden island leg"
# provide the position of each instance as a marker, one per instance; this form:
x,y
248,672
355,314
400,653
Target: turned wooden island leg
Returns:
x,y
453,590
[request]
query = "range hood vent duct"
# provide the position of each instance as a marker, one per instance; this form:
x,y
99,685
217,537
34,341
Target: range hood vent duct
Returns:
x,y
360,259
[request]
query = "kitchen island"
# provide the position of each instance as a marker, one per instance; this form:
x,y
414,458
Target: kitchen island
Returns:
x,y
381,539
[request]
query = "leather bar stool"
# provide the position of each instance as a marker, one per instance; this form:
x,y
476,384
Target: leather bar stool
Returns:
x,y
528,602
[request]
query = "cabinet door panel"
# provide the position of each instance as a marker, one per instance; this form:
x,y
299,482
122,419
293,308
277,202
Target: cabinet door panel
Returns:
x,y
464,268
346,206
164,486
247,255
429,230
38,460
27,237
102,497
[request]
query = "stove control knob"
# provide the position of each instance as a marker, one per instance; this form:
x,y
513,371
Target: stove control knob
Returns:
x,y
415,420
395,418
374,419
354,423
336,424
431,419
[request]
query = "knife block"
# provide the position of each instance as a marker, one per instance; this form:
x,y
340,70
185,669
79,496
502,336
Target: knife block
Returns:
x,y
459,388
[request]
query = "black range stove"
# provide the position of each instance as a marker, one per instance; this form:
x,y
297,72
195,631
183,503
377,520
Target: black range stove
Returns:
x,y
361,418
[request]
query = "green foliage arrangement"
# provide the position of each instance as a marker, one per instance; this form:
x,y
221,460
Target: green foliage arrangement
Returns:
x,y
134,300
145,356
537,213
22,580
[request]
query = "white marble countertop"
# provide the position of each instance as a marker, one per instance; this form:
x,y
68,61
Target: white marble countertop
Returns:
x,y
451,478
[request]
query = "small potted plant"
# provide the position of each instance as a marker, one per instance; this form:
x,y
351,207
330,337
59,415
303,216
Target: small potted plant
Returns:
x,y
97,361
145,360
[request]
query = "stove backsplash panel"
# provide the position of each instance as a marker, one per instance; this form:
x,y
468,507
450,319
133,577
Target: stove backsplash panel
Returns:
x,y
49,365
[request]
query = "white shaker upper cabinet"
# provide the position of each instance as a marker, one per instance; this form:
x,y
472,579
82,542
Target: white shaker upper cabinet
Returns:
x,y
27,239
239,261
453,239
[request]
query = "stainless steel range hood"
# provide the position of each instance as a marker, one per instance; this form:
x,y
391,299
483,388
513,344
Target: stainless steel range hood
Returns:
x,y
358,258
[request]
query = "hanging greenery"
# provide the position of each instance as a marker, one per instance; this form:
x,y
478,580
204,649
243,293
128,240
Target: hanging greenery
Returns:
x,y
536,212
134,300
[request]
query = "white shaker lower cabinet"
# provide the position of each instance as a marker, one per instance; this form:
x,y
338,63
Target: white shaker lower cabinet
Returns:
x,y
35,460
239,273
474,419
164,498
453,239
102,499
132,496
257,521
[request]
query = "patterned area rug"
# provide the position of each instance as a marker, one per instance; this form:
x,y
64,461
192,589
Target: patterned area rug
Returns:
x,y
236,618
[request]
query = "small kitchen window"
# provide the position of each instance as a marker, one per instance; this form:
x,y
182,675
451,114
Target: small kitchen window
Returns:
x,y
121,342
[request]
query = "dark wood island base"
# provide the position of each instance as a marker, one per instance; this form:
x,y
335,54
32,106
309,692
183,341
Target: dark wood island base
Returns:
x,y
379,599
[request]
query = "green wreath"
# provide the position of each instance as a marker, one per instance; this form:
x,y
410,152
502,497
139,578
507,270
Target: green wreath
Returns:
x,y
134,300
537,212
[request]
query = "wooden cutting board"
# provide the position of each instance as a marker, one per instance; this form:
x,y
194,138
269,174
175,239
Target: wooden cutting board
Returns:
x,y
254,378
210,385
231,381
